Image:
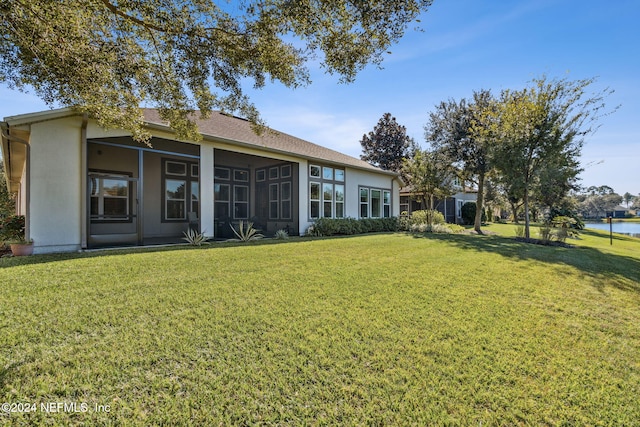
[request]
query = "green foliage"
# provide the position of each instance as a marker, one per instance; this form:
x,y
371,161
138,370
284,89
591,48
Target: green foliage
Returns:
x,y
107,58
427,221
566,227
430,174
245,233
350,226
460,131
195,238
468,213
387,145
519,230
539,133
281,235
7,202
577,223
12,229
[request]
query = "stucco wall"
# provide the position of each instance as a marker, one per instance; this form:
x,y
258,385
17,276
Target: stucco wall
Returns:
x,y
355,178
55,193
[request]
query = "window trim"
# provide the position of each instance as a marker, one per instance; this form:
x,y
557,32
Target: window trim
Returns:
x,y
105,174
369,203
189,178
322,179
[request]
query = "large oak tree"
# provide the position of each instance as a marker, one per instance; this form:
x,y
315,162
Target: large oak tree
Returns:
x,y
109,57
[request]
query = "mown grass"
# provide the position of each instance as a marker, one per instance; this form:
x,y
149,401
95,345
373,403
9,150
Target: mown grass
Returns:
x,y
388,329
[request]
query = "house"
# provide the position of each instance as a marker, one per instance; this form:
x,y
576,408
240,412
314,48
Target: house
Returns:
x,y
80,186
450,207
618,212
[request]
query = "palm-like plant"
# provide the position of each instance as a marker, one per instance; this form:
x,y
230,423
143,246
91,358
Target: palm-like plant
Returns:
x,y
194,238
246,234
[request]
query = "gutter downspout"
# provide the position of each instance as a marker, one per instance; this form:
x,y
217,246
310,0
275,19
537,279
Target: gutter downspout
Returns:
x,y
84,222
27,174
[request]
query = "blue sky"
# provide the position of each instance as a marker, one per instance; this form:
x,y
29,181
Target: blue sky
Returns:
x,y
469,45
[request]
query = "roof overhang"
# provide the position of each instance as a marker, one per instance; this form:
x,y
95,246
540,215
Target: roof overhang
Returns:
x,y
14,155
213,138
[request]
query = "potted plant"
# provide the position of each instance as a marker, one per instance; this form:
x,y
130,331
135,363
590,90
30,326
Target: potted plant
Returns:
x,y
13,233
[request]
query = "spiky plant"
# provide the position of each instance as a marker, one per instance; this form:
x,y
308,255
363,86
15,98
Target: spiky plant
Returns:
x,y
281,235
194,238
246,234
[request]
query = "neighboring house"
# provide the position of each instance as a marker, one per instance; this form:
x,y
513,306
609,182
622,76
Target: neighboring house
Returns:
x,y
618,212
81,186
451,208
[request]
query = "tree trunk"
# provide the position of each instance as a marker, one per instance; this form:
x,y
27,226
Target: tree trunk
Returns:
x,y
526,214
479,204
430,213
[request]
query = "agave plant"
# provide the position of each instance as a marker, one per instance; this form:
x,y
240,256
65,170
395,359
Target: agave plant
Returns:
x,y
246,234
281,235
194,238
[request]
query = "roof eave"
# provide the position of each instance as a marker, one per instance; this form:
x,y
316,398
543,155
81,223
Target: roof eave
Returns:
x,y
215,138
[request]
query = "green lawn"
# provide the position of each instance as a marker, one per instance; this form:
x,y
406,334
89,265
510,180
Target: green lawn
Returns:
x,y
387,329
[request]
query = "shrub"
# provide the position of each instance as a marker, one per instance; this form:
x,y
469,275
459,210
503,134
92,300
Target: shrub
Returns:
x,y
565,227
281,235
578,224
350,226
468,213
13,228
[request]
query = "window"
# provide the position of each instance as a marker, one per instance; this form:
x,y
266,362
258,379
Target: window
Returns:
x,y
110,197
327,197
240,202
260,175
285,197
175,168
331,203
222,199
339,200
273,173
240,175
175,199
181,189
222,173
285,171
273,201
386,203
327,173
195,196
375,203
314,197
364,203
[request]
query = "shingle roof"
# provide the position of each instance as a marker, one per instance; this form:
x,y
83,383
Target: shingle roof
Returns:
x,y
239,131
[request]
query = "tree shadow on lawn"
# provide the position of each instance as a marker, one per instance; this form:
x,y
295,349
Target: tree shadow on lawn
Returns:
x,y
600,265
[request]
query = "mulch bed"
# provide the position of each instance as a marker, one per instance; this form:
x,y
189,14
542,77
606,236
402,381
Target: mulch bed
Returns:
x,y
544,242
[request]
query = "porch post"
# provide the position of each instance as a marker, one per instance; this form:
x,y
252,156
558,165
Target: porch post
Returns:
x,y
84,191
206,189
140,198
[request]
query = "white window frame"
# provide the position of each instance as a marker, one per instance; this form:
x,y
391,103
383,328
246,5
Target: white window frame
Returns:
x,y
312,201
168,199
98,184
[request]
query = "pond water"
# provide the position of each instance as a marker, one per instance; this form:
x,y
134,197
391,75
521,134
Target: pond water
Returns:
x,y
631,228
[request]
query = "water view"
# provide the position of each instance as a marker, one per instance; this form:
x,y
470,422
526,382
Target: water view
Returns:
x,y
630,228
